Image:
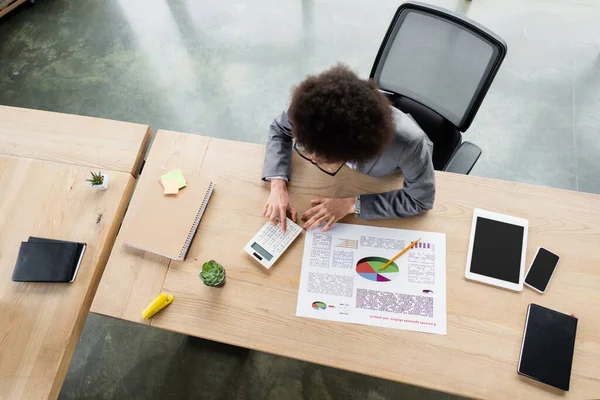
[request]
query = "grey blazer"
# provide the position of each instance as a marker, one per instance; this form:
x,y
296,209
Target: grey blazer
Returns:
x,y
410,153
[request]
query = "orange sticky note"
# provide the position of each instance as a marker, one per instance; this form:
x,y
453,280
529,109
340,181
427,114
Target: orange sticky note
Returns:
x,y
171,187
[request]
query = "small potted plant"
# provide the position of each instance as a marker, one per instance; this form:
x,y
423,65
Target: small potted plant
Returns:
x,y
213,274
98,181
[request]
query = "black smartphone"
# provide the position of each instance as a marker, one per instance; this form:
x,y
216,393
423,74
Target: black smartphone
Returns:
x,y
541,270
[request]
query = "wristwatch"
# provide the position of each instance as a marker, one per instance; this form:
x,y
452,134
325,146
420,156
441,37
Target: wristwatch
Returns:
x,y
357,206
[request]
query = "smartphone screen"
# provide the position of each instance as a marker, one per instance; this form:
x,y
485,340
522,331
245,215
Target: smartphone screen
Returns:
x,y
541,269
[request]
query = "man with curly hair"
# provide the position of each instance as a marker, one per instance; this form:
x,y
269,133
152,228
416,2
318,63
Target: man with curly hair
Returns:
x,y
336,119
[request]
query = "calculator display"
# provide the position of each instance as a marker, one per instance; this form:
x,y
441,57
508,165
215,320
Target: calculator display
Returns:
x,y
268,256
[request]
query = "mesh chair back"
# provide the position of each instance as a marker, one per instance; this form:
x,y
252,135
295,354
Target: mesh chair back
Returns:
x,y
440,60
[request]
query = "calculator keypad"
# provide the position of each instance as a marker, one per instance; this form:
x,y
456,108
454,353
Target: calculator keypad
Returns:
x,y
272,239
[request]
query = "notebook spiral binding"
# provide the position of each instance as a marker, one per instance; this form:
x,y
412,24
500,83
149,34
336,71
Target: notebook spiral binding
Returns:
x,y
192,233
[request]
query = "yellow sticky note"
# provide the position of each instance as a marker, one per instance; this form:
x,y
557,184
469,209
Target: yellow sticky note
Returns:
x,y
171,187
174,175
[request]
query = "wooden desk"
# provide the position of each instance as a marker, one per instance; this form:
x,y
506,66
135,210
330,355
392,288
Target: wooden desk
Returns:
x,y
40,323
256,307
7,6
73,139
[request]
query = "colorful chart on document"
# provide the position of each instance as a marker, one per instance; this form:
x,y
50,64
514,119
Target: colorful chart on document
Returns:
x,y
319,305
370,268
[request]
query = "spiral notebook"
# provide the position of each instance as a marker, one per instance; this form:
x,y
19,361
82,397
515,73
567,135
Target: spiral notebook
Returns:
x,y
166,225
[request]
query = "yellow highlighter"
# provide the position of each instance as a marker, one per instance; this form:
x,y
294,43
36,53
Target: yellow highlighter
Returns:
x,y
160,302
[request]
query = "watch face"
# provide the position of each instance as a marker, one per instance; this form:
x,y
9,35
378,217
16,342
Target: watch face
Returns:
x,y
357,205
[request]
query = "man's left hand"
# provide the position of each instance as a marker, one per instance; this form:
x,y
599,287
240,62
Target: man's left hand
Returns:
x,y
327,211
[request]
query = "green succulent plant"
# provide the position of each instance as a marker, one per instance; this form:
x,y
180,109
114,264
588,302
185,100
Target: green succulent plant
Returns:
x,y
213,273
96,180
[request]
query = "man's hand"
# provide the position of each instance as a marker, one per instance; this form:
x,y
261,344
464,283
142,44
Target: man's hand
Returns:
x,y
278,204
327,211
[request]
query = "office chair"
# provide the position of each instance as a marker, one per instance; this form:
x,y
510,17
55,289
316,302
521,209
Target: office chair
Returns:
x,y
437,66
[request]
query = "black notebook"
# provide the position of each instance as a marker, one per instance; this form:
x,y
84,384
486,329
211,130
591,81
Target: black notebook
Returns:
x,y
48,260
547,348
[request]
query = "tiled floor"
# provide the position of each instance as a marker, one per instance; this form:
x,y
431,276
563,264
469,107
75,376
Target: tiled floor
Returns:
x,y
224,69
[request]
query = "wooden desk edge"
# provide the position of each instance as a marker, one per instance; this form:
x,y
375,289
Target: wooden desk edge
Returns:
x,y
8,7
141,151
357,368
139,161
91,291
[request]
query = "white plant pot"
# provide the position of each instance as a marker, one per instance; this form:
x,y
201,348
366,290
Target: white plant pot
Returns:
x,y
104,185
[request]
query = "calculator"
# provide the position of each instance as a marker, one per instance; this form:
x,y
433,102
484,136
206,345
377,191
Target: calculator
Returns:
x,y
270,242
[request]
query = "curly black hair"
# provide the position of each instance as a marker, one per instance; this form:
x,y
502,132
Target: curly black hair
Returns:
x,y
340,117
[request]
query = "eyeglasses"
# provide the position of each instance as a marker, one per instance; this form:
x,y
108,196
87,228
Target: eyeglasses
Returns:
x,y
329,168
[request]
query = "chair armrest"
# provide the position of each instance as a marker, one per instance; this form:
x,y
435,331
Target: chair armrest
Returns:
x,y
463,159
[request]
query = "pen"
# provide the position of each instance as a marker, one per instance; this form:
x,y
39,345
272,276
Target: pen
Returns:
x,y
399,254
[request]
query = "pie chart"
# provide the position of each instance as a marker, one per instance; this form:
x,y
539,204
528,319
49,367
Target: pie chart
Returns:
x,y
370,268
319,305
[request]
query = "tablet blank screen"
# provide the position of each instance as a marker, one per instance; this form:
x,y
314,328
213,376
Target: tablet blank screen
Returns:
x,y
497,250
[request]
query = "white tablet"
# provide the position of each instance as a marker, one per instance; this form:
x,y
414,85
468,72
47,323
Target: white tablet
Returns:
x,y
497,250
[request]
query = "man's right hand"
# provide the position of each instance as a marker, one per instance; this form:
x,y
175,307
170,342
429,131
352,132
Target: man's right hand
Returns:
x,y
278,204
